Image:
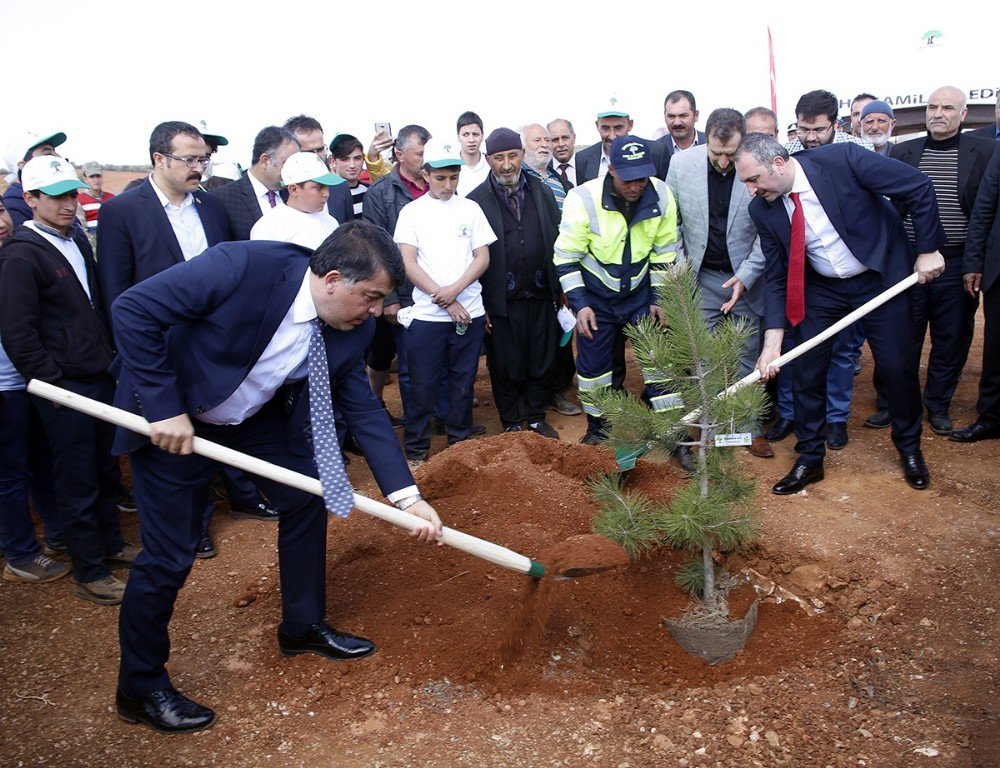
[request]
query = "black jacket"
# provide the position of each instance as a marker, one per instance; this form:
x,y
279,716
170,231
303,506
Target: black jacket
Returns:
x,y
50,329
494,279
973,156
383,202
982,243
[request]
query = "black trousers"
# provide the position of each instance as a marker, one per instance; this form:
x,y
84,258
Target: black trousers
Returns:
x,y
950,312
86,478
989,382
166,487
888,329
520,353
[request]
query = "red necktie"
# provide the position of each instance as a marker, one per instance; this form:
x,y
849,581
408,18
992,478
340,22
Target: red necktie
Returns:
x,y
562,172
795,291
272,198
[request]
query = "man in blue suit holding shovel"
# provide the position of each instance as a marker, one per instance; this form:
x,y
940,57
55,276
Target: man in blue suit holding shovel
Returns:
x,y
832,241
222,347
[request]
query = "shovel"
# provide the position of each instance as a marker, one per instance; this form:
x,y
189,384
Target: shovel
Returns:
x,y
481,548
627,457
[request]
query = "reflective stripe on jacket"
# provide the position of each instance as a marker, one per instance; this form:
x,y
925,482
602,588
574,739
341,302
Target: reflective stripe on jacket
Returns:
x,y
606,265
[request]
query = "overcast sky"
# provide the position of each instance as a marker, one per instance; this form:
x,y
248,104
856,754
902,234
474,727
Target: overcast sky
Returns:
x,y
106,72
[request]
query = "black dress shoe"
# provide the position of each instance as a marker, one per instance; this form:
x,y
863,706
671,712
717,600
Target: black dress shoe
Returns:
x,y
836,435
324,640
975,432
205,548
800,476
165,711
879,420
259,510
915,471
592,438
778,431
940,423
685,458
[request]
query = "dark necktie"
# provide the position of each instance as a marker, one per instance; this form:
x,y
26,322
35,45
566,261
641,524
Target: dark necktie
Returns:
x,y
795,291
272,198
562,172
337,492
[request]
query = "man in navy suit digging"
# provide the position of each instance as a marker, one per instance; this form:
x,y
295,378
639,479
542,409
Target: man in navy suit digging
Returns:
x,y
222,347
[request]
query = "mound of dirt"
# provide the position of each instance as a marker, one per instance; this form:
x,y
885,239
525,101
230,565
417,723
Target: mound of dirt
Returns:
x,y
440,613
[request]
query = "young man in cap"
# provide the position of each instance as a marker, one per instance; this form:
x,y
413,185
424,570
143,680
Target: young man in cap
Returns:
x,y
627,252
34,145
54,330
25,469
444,239
303,219
92,199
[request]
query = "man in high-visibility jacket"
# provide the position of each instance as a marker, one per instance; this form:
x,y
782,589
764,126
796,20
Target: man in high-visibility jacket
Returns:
x,y
618,235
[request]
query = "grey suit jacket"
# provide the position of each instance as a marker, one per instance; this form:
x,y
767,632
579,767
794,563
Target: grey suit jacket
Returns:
x,y
687,178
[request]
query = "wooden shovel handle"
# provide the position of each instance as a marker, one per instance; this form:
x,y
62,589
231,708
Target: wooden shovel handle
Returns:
x,y
481,548
837,327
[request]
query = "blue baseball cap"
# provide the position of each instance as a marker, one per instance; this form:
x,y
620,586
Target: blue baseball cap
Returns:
x,y
631,159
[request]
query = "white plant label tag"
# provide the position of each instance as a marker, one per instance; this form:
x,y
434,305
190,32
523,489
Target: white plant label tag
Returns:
x,y
733,439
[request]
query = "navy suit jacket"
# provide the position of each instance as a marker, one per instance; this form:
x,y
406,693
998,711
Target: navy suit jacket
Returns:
x,y
588,161
982,244
988,132
189,336
138,242
240,205
852,183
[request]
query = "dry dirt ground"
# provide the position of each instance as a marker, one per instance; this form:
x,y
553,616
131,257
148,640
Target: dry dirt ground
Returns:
x,y
895,664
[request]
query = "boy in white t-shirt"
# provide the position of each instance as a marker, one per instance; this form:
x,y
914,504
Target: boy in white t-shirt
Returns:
x,y
304,219
445,242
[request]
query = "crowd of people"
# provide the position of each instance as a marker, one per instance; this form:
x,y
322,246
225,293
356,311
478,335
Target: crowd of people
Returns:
x,y
265,313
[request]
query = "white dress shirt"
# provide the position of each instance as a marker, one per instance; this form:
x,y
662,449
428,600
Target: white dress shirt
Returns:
x,y
260,192
284,359
828,254
472,176
68,248
570,169
602,169
185,222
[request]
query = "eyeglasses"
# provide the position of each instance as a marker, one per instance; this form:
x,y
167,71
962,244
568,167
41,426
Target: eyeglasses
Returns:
x,y
817,132
190,161
320,152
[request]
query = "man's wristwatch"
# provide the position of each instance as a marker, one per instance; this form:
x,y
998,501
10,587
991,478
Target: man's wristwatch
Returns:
x,y
404,504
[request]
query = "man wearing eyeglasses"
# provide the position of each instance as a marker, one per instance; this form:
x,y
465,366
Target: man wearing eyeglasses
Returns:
x,y
164,221
168,220
816,119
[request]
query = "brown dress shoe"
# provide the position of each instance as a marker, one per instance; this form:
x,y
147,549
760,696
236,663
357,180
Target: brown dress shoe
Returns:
x,y
761,448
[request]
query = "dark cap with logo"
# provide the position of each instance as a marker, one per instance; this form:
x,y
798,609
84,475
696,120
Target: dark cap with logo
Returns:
x,y
631,158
